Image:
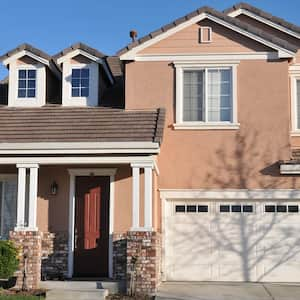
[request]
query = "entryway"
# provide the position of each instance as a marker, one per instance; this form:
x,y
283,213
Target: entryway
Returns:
x,y
91,240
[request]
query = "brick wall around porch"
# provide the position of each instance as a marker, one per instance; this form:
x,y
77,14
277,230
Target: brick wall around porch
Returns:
x,y
137,259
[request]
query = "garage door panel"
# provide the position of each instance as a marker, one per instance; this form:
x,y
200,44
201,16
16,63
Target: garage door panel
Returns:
x,y
234,246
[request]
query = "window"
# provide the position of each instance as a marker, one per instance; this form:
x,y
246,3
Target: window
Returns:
x,y
293,208
270,208
27,83
205,35
202,208
247,208
191,208
224,208
80,82
236,208
179,208
281,208
298,103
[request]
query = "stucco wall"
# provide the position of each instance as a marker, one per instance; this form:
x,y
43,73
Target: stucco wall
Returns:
x,y
242,158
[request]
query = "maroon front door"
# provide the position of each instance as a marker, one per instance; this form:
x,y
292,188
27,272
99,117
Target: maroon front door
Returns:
x,y
91,226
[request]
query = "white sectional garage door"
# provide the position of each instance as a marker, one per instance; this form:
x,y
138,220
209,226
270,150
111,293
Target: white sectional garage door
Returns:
x,y
232,241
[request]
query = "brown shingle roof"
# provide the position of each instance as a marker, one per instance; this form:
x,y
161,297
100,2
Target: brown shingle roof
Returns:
x,y
263,14
80,46
27,47
70,124
219,15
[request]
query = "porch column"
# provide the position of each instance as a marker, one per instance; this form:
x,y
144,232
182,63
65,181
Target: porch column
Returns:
x,y
148,197
21,196
135,197
33,190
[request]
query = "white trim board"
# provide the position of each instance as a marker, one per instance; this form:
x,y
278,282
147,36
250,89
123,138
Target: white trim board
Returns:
x,y
86,172
242,11
214,194
131,54
78,148
26,53
208,57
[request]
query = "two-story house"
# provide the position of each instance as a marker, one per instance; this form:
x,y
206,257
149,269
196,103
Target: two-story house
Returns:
x,y
181,151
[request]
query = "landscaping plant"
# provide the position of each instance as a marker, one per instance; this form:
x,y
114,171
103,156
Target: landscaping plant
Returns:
x,y
8,259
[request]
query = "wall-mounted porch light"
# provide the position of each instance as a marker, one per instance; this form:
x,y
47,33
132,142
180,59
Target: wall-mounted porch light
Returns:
x,y
54,188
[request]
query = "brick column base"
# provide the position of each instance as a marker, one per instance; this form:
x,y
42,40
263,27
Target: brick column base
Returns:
x,y
143,261
30,245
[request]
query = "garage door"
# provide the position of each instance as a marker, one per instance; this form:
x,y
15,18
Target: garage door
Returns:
x,y
232,241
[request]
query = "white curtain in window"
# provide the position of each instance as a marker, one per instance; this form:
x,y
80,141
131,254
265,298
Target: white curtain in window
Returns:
x,y
219,95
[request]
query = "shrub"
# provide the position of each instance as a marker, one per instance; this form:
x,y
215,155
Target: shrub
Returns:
x,y
8,259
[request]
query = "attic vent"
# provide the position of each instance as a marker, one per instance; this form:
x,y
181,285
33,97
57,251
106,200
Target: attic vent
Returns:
x,y
205,35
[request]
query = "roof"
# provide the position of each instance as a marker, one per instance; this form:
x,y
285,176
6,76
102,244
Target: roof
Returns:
x,y
263,14
84,124
28,48
79,46
114,64
251,29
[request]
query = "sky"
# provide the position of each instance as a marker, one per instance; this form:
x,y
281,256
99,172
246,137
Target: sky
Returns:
x,y
52,25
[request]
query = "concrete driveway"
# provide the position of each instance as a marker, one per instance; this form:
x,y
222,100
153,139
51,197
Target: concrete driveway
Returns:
x,y
228,291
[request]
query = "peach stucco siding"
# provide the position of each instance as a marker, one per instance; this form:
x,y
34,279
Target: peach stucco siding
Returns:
x,y
244,158
187,41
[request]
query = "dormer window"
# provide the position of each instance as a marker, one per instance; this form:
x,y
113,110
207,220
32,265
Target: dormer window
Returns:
x,y
80,82
27,83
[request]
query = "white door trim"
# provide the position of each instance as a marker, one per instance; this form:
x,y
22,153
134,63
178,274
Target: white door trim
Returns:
x,y
86,172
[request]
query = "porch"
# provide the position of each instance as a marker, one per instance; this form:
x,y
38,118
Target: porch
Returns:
x,y
41,213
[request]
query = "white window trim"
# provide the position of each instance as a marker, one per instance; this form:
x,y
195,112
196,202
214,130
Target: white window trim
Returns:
x,y
180,124
295,130
202,41
40,86
92,99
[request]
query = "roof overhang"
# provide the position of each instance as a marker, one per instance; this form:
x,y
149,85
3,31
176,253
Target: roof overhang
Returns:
x,y
91,57
71,148
132,53
243,11
23,53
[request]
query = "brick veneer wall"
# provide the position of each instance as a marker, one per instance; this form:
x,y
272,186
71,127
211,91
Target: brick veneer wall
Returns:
x,y
138,254
30,245
54,255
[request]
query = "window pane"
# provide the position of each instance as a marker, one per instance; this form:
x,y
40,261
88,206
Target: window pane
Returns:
x,y
219,95
293,208
202,208
22,84
180,208
22,73
236,208
75,82
224,208
85,73
281,208
270,208
76,92
84,92
75,73
193,95
247,208
84,83
31,93
32,74
31,84
21,93
191,208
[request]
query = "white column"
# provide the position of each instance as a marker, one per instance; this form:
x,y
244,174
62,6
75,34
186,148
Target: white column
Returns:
x,y
21,197
33,190
148,198
135,197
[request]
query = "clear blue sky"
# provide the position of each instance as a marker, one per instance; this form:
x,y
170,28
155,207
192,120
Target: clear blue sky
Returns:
x,y
53,25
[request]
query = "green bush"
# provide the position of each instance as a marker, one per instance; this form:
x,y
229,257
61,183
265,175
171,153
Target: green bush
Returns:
x,y
8,259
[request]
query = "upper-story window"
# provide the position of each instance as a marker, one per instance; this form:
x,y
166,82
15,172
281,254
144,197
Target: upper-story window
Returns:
x,y
26,83
205,97
80,82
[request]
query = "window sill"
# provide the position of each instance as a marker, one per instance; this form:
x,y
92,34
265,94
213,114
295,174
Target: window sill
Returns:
x,y
208,126
295,133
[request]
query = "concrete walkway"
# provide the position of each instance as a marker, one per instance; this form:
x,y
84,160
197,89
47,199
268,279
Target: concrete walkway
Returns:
x,y
228,291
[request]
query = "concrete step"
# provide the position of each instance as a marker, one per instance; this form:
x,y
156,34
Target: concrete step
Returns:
x,y
78,294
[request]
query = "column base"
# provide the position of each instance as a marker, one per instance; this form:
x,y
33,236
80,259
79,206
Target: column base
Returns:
x,y
25,229
141,229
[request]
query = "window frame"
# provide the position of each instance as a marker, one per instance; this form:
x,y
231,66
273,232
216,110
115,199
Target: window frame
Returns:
x,y
80,67
294,121
27,68
179,123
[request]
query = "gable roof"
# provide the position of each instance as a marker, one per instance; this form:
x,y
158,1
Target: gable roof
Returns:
x,y
79,46
26,49
81,124
263,14
215,15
